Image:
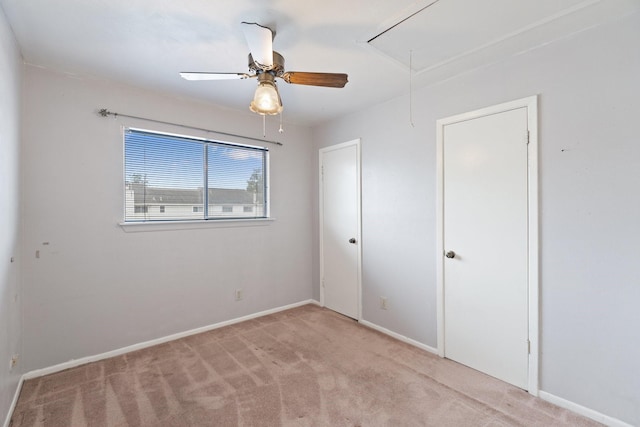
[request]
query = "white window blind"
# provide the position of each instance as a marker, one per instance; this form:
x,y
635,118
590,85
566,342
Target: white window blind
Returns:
x,y
174,178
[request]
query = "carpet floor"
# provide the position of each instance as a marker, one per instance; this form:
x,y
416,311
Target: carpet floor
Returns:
x,y
303,367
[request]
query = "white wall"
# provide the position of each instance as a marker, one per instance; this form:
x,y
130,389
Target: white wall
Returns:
x,y
589,215
96,287
10,314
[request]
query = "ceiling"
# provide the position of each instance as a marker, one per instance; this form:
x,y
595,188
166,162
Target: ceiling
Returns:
x,y
148,42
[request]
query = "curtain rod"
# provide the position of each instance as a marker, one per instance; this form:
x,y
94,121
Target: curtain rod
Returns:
x,y
104,113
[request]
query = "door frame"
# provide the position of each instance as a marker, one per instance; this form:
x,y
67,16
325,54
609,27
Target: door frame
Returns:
x,y
321,153
531,104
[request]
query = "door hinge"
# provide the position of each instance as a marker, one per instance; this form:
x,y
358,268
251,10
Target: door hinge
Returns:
x,y
527,137
528,347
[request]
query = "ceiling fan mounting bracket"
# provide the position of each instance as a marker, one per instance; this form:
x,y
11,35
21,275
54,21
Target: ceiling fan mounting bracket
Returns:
x,y
277,69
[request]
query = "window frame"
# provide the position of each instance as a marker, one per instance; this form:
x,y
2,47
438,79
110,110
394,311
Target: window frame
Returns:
x,y
132,224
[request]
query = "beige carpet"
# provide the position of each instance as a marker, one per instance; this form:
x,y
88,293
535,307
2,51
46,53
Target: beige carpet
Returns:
x,y
303,367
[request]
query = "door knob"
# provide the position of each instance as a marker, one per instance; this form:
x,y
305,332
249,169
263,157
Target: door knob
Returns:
x,y
352,240
450,254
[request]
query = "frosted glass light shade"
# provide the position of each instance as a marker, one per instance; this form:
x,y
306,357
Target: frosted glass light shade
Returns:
x,y
266,99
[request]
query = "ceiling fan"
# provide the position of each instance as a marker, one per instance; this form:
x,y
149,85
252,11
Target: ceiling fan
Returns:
x,y
267,65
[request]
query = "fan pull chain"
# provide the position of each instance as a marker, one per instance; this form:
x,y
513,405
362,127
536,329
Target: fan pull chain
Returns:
x,y
281,130
264,126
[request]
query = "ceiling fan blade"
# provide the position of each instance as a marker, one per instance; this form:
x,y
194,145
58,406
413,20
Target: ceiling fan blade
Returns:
x,y
315,79
260,41
213,76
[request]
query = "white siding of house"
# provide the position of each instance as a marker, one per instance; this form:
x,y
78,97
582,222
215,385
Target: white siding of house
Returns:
x,y
176,211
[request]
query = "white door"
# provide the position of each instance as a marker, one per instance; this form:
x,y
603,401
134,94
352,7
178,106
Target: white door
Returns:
x,y
485,238
340,228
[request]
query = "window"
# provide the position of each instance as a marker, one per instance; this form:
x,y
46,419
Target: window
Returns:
x,y
196,179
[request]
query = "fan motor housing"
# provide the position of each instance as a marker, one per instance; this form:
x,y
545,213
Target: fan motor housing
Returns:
x,y
277,69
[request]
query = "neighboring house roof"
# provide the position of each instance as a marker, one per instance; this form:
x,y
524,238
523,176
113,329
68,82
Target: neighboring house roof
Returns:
x,y
229,195
143,194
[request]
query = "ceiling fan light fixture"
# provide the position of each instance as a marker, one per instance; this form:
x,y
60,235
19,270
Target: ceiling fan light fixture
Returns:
x,y
266,100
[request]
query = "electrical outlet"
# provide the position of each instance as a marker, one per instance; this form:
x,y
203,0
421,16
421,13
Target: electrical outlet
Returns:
x,y
383,303
14,361
239,294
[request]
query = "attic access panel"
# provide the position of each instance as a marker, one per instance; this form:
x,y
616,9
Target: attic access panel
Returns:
x,y
438,32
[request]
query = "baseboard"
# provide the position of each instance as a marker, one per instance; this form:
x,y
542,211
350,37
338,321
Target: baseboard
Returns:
x,y
82,361
14,402
582,410
399,337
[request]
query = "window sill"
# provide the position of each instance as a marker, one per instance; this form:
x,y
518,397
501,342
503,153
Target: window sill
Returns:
x,y
136,227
